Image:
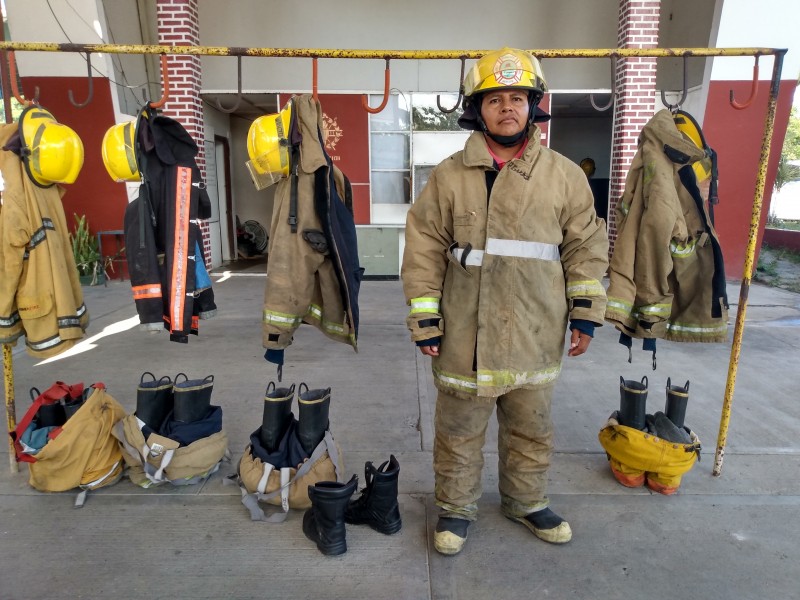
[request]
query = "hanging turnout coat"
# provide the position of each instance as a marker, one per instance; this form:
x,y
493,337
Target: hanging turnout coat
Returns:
x,y
667,277
40,293
162,228
313,274
504,272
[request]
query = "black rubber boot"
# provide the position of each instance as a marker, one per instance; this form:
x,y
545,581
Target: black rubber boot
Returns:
x,y
277,415
51,415
377,506
323,523
677,399
312,419
192,398
633,398
154,400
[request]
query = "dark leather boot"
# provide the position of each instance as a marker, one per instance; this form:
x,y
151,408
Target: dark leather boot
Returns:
x,y
154,400
312,419
277,415
377,506
633,397
677,399
192,398
323,523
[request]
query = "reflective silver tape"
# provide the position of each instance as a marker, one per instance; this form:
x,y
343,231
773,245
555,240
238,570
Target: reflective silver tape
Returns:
x,y
514,248
474,258
521,249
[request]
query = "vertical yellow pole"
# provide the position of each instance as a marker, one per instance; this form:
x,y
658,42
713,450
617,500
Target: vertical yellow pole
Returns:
x,y
738,331
11,414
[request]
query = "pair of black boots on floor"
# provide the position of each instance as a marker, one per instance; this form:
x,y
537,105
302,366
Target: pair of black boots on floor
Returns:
x,y
185,401
668,425
332,507
312,416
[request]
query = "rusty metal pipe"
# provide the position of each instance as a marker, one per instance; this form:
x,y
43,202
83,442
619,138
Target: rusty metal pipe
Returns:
x,y
738,331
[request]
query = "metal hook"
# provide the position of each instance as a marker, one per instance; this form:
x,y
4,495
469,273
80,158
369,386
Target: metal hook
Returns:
x,y
447,111
239,89
314,73
613,88
12,72
364,100
164,84
674,107
91,85
753,90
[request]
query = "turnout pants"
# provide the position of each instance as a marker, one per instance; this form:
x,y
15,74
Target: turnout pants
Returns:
x,y
525,443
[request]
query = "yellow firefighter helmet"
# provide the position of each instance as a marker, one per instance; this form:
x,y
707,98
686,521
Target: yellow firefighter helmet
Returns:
x,y
119,152
268,148
52,152
503,69
692,132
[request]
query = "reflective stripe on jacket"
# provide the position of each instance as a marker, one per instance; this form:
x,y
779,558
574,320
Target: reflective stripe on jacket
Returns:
x,y
509,269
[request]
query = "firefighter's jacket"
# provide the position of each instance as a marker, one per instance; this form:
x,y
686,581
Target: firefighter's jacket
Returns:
x,y
162,229
498,274
313,273
667,278
40,293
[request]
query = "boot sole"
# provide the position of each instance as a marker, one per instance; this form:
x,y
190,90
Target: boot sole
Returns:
x,y
448,543
384,528
560,534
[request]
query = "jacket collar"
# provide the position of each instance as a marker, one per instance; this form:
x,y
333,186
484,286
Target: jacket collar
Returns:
x,y
476,153
308,115
662,131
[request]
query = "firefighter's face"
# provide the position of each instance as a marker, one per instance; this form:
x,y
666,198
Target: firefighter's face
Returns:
x,y
505,112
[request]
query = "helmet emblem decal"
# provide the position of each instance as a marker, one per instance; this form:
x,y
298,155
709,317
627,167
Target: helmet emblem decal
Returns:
x,y
508,69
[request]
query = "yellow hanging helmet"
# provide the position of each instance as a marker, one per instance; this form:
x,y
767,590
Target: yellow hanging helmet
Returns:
x,y
52,152
503,69
119,152
690,129
268,148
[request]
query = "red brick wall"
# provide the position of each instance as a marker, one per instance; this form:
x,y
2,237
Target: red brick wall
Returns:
x,y
636,85
179,25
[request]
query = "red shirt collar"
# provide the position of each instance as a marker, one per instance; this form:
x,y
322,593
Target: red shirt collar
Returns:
x,y
502,163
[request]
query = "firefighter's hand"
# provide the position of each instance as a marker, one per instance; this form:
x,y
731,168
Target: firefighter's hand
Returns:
x,y
578,343
429,350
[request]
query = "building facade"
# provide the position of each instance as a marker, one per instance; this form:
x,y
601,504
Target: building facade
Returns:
x,y
389,155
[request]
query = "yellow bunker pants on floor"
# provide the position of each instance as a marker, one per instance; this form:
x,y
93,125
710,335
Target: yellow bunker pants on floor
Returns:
x,y
525,443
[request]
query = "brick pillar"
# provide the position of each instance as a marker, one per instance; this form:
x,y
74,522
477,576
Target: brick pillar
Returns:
x,y
179,25
636,84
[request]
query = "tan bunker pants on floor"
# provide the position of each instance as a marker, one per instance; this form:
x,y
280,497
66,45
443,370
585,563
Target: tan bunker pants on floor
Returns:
x,y
524,445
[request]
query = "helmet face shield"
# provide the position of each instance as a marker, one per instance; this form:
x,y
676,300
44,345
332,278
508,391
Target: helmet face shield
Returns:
x,y
119,155
52,152
268,148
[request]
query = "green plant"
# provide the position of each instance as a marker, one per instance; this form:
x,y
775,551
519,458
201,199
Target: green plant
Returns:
x,y
85,249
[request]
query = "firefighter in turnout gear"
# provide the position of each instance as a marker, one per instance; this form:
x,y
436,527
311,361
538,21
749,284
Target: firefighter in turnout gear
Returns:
x,y
503,250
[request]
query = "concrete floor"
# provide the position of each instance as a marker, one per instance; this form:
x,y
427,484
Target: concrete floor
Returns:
x,y
728,537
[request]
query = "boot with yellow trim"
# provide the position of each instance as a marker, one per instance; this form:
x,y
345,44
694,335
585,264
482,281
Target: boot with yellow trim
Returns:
x,y
312,419
546,525
633,398
450,534
277,415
